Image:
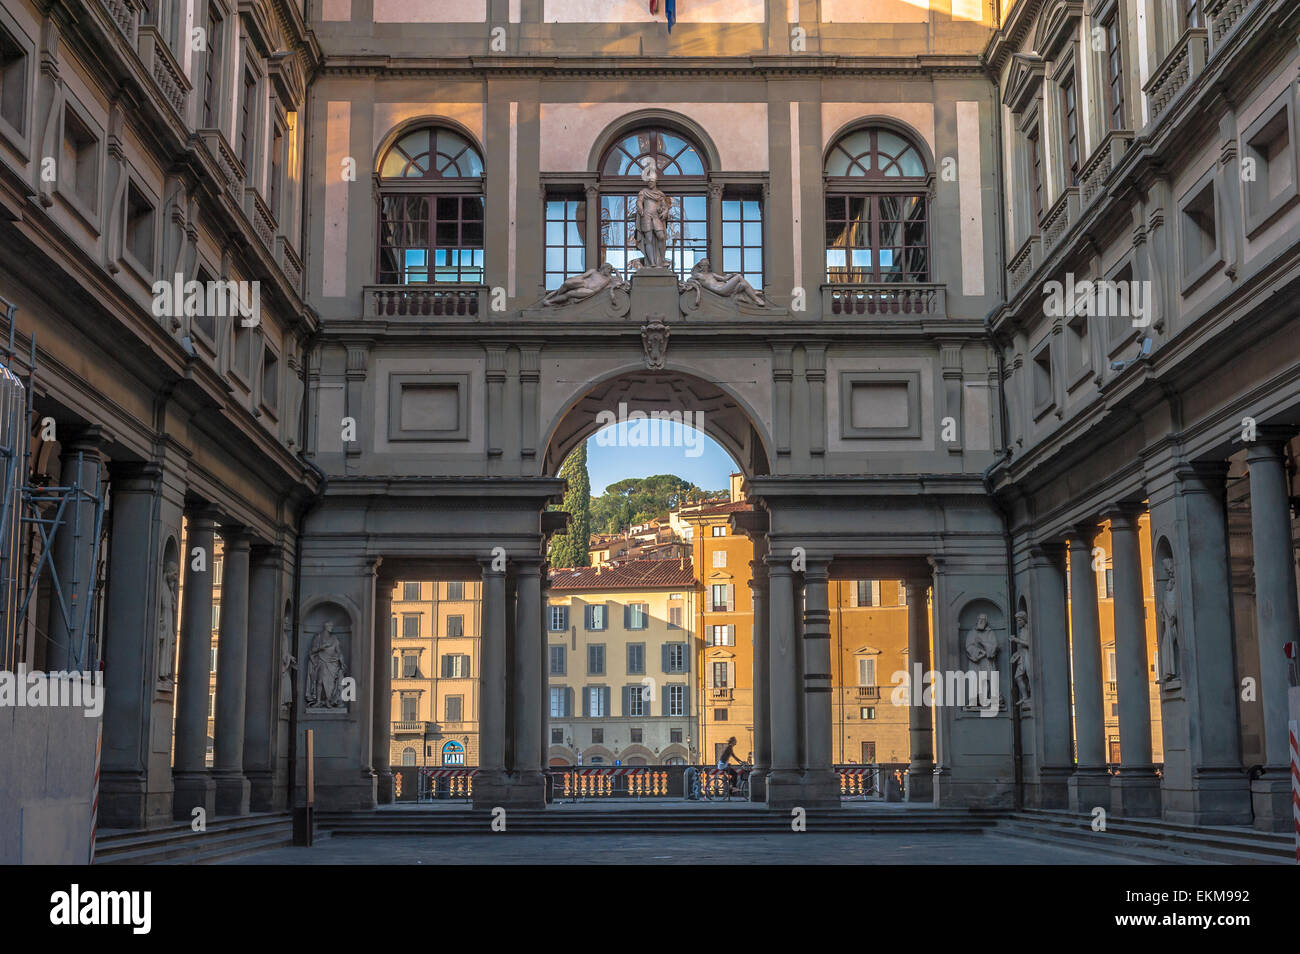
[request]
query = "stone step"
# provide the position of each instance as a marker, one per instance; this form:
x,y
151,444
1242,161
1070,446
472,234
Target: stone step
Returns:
x,y
1147,844
1277,844
178,844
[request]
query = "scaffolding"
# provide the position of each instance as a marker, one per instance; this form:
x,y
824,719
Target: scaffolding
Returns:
x,y
37,520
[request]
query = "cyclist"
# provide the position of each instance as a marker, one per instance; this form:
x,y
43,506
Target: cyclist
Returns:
x,y
724,763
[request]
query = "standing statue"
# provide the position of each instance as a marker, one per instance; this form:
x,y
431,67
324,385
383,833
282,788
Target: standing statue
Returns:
x,y
287,667
325,670
733,285
167,623
1021,661
982,646
1169,624
652,208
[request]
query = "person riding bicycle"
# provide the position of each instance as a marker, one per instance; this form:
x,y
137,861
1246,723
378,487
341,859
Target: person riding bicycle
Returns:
x,y
724,763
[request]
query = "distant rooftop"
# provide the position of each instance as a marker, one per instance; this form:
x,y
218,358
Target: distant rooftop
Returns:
x,y
634,574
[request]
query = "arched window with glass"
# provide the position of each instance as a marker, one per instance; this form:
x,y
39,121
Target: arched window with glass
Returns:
x,y
877,209
683,175
431,209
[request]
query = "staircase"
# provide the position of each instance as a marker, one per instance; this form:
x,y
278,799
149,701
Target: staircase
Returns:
x,y
177,844
650,821
1150,839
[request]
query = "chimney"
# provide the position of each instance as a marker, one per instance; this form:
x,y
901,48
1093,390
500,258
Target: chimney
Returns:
x,y
681,562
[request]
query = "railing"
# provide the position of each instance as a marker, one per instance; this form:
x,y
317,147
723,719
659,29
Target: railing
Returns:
x,y
409,727
124,14
1059,217
884,298
423,301
438,783
260,216
868,692
290,262
1101,163
581,782
1022,264
1184,62
232,170
1223,15
720,695
859,781
162,66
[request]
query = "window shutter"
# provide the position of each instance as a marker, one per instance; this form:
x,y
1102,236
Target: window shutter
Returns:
x,y
663,658
731,597
586,617
731,631
663,701
853,593
586,701
627,700
686,704
627,616
568,702
604,698
604,617
686,657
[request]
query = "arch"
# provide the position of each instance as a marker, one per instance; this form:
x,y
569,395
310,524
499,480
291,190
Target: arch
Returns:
x,y
408,756
752,454
674,750
684,125
891,123
636,750
396,133
559,755
598,751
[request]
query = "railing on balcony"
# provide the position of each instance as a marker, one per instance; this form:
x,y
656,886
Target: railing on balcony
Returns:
x,y
1023,264
868,692
1183,64
232,170
720,695
885,298
405,727
424,301
290,262
1058,218
1101,163
125,14
260,216
1223,15
162,66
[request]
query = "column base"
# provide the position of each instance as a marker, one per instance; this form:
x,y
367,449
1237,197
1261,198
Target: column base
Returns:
x,y
758,785
1135,793
501,790
193,790
233,793
1088,788
950,792
126,802
918,783
384,787
334,794
815,789
1214,797
1270,796
1052,790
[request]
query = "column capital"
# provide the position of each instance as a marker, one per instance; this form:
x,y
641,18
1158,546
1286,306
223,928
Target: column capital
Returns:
x,y
777,566
817,568
236,536
528,565
1049,551
916,584
89,439
487,565
1203,476
1082,534
202,512
1122,515
1270,441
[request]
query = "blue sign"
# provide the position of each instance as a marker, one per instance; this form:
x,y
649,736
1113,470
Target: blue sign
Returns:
x,y
453,753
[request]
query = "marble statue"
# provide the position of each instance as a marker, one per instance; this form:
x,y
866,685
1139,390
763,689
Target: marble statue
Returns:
x,y
1021,661
167,623
652,209
325,670
1169,624
732,285
584,286
287,666
982,646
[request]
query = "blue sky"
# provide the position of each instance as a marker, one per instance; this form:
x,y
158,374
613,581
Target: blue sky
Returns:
x,y
690,454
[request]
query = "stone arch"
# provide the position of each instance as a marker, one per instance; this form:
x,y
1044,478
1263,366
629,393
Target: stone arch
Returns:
x,y
559,755
674,750
394,134
602,752
739,429
636,751
654,116
893,124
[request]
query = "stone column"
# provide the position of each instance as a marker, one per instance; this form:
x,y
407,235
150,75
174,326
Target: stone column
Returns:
x,y
527,781
263,678
1050,685
490,783
74,550
821,784
783,673
762,684
1135,792
232,673
920,769
194,787
1277,620
1089,786
382,723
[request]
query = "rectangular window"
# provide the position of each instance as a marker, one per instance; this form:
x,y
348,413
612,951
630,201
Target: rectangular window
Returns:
x,y
455,666
597,617
596,659
216,617
218,568
867,671
719,558
431,238
212,659
719,531
277,164
566,239
410,625
247,117
677,700
559,702
1114,73
722,635
597,736
559,616
410,666
595,707
675,657
1192,16
1110,582
456,590
557,737
1035,174
635,658
212,704
455,627
675,736
79,168
559,661
720,680
674,617
140,220
212,71
1070,117
720,715
638,615
410,592
868,753
877,238
396,666
410,707
270,393
720,597
638,735
742,239
13,83
455,708
868,712
636,700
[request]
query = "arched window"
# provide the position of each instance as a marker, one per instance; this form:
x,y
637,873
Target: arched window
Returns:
x,y
877,209
683,175
408,756
431,210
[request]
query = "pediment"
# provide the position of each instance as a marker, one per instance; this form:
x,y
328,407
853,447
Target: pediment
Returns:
x,y
721,654
866,651
1058,27
1025,82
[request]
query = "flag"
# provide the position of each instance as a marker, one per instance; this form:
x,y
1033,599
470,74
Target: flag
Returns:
x,y
654,7
670,8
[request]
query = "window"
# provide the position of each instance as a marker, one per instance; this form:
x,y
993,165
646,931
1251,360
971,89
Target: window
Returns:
x,y
1198,232
674,657
595,701
719,531
270,393
1109,591
216,617
205,324
637,616
1044,393
408,756
277,165
455,708
675,737
1192,17
1035,174
876,211
247,119
212,659
561,708
241,358
867,671
79,168
598,736
396,666
720,680
742,241
674,617
719,558
431,210
1114,74
866,592
13,83
456,590
1070,117
557,737
596,659
410,625
559,661
1271,143
676,699
212,71
212,704
410,666
566,239
635,658
868,753
455,627
559,618
682,175
637,735
635,698
410,707
410,592
868,712
724,635
597,618
218,568
720,597
455,666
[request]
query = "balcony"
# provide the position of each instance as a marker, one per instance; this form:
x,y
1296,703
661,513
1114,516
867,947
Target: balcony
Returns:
x,y
162,66
1104,160
885,299
1023,264
232,170
1058,218
1183,64
871,693
410,728
424,301
720,695
125,15
1223,15
258,213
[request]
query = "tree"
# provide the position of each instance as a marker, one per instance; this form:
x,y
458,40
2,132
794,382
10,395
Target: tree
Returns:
x,y
570,548
638,499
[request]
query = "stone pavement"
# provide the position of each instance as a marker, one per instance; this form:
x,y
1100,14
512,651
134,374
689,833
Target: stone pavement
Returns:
x,y
793,848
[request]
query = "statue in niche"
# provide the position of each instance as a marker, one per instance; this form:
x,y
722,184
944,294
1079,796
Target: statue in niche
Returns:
x,y
1169,624
325,671
732,285
1021,661
652,209
167,622
584,286
287,666
982,646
